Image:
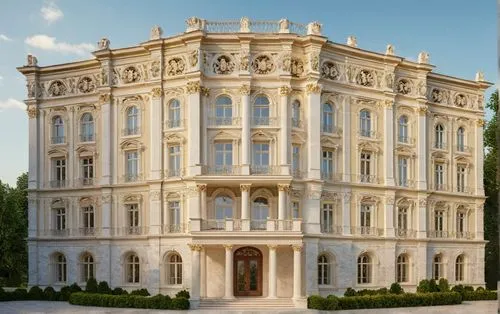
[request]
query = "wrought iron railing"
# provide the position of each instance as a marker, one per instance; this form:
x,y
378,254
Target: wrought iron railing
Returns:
x,y
258,26
224,121
131,131
58,183
330,229
369,231
405,233
265,170
225,170
58,140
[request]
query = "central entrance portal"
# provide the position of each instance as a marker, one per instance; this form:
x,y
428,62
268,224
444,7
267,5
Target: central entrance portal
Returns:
x,y
247,272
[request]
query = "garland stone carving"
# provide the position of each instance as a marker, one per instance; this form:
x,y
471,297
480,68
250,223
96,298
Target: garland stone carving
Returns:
x,y
262,65
155,68
245,90
329,70
313,88
315,62
421,88
286,64
57,88
223,65
244,61
460,100
175,66
404,87
437,95
131,75
193,87
297,67
365,78
86,85
193,58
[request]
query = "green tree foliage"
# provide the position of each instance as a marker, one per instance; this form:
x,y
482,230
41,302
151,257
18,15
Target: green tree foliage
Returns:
x,y
491,189
13,232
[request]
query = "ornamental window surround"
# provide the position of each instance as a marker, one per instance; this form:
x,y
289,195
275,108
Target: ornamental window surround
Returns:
x,y
296,167
58,131
366,219
132,121
59,268
87,132
58,172
324,270
174,269
88,217
367,166
261,111
461,139
133,218
260,157
328,118
439,136
327,163
87,267
174,159
460,268
223,110
174,114
439,176
403,171
223,156
402,268
403,131
223,207
365,123
437,267
461,178
87,170
365,269
295,209
261,208
296,114
327,217
132,269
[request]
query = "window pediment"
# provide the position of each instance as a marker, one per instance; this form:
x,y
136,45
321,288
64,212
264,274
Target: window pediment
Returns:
x,y
132,198
263,136
87,201
368,146
174,139
405,202
405,150
58,203
326,141
368,199
58,152
131,144
225,135
297,138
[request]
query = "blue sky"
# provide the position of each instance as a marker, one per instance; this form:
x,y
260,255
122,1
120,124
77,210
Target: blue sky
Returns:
x,y
459,35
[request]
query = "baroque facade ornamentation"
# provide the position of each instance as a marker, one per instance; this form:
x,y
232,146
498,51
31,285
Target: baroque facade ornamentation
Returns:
x,y
245,90
285,90
156,33
263,64
313,88
365,78
193,87
460,100
437,95
296,67
193,57
404,87
104,98
57,88
131,75
31,61
175,66
223,65
156,92
329,70
32,111
103,44
155,69
86,85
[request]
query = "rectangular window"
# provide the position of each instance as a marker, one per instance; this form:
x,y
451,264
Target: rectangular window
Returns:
x,y
296,159
327,164
295,209
365,167
174,160
439,176
365,218
260,157
133,217
88,217
403,171
60,169
132,166
60,218
87,170
460,223
327,218
223,157
174,208
438,221
403,218
460,178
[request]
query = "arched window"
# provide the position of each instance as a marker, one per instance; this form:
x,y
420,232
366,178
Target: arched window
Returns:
x,y
174,114
132,121
402,273
323,270
261,111
260,212
60,270
364,269
87,128
437,267
223,111
174,269
439,136
87,267
365,123
461,139
327,119
132,269
58,130
223,207
403,129
296,114
459,268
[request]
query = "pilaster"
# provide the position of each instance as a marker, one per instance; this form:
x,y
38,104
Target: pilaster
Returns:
x,y
422,155
346,139
389,215
311,212
193,90
155,133
106,141
313,92
35,142
106,201
195,275
155,209
388,142
479,158
421,208
284,130
245,129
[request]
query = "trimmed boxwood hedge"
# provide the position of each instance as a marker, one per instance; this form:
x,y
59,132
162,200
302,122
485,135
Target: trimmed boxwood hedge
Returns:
x,y
129,301
383,301
479,295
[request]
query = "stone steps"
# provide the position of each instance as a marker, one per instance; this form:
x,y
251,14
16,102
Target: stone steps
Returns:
x,y
247,303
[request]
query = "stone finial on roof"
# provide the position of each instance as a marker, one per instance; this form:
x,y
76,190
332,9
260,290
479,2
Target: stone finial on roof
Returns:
x,y
352,41
195,24
314,28
31,60
245,25
155,33
284,26
423,57
389,50
480,76
103,43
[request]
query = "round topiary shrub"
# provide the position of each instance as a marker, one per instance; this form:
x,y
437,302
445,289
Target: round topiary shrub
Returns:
x,y
396,289
103,288
119,291
50,294
332,303
183,294
91,285
443,285
35,293
350,292
424,286
75,288
142,292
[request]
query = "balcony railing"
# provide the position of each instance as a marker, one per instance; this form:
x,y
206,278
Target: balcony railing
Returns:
x,y
59,232
463,189
87,137
463,235
131,131
438,187
131,230
173,124
76,232
174,173
464,149
225,170
367,178
437,234
330,129
406,183
174,228
132,177
369,231
224,121
367,133
331,229
213,224
265,170
85,181
58,140
439,145
89,231
405,233
329,176
298,174
406,140
297,123
264,121
58,183
258,224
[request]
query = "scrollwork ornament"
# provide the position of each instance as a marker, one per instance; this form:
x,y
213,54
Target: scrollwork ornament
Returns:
x,y
460,100
106,199
286,63
193,58
223,65
347,196
313,194
245,90
193,87
205,91
297,67
365,78
285,90
314,62
175,66
297,247
389,200
131,75
313,88
201,187
437,95
155,69
244,62
57,88
422,202
104,98
421,88
156,92
329,70
245,187
404,87
480,123
283,187
422,111
195,247
263,65
86,85
155,195
32,111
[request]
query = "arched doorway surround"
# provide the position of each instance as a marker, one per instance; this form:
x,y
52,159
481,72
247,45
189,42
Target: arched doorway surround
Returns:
x,y
247,272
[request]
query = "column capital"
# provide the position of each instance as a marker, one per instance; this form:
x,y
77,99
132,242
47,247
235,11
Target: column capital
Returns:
x,y
245,187
313,88
283,187
201,187
193,87
272,246
245,90
297,247
421,110
480,122
228,247
195,247
285,90
32,111
156,92
104,98
205,91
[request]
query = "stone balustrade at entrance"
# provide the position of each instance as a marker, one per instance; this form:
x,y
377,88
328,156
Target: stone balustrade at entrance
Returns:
x,y
268,225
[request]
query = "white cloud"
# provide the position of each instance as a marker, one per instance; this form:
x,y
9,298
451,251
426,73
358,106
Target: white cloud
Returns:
x,y
45,42
51,12
12,103
5,38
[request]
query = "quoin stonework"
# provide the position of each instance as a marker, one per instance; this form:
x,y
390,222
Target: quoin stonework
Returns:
x,y
253,158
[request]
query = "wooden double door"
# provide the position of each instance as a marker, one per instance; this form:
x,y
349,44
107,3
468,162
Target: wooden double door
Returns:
x,y
247,270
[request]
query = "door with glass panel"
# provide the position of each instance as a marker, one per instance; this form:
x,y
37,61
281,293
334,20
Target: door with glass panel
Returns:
x,y
260,212
247,272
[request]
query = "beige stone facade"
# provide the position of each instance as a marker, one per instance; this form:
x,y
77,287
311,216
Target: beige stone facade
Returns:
x,y
253,158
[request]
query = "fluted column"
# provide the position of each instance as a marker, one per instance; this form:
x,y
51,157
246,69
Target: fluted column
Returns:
x,y
297,271
195,274
228,287
155,134
313,131
245,129
389,217
272,271
284,128
282,202
346,139
422,155
421,225
193,128
479,158
106,199
245,207
388,142
105,153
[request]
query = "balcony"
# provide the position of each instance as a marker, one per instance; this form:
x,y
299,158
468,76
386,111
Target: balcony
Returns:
x,y
224,121
265,170
131,131
87,138
226,170
58,232
58,183
438,187
437,234
337,230
132,177
332,129
406,183
405,233
85,181
264,121
174,228
367,133
465,235
174,173
77,232
331,177
174,124
89,231
369,231
58,140
463,149
268,225
297,123
367,178
213,224
406,140
439,145
131,230
463,189
298,174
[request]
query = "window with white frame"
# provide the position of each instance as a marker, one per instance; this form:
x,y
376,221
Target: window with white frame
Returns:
x,y
58,130
364,269
296,114
174,210
60,268
327,218
327,119
261,111
402,268
365,167
133,216
439,136
223,158
439,176
174,267
461,223
295,209
437,267
223,207
459,268
174,160
366,218
260,158
439,222
132,269
402,218
403,129
87,164
365,123
87,267
260,213
132,158
324,270
87,128
88,218
174,114
223,111
296,160
60,218
132,116
327,164
59,165
461,139
461,169
403,171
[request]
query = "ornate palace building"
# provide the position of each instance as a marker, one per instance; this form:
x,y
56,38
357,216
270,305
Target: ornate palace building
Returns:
x,y
253,158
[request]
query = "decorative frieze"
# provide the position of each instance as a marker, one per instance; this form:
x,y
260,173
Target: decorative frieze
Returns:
x,y
283,187
245,187
297,247
263,64
193,87
104,98
175,66
195,247
313,88
156,92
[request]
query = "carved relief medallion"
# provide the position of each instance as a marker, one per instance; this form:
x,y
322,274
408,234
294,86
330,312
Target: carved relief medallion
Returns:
x,y
175,66
404,87
86,85
365,78
223,65
460,100
262,65
131,75
297,67
437,95
57,88
329,70
155,68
